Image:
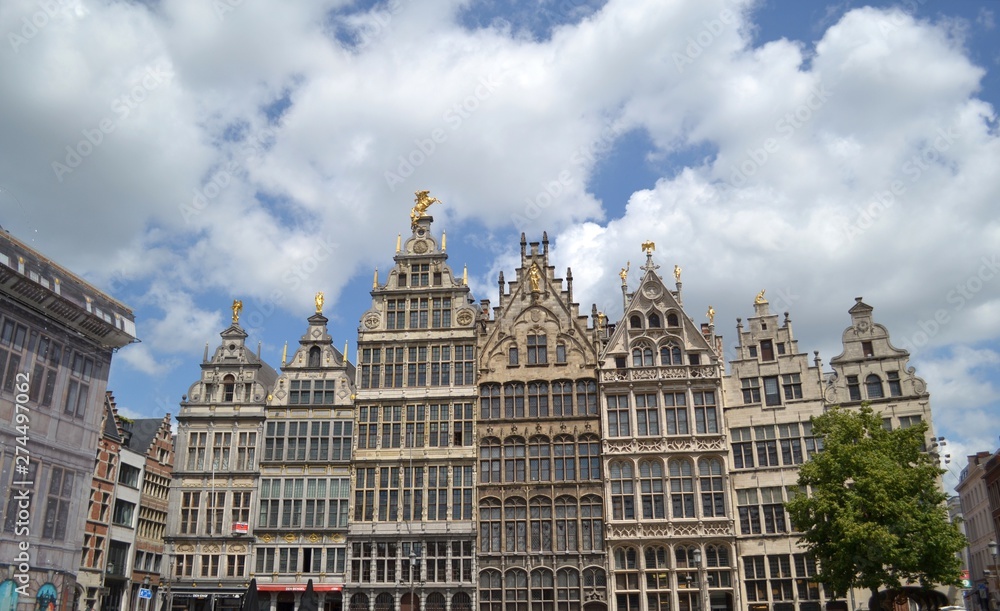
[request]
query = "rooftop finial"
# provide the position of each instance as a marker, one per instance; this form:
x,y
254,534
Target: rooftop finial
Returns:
x,y
423,202
319,302
237,308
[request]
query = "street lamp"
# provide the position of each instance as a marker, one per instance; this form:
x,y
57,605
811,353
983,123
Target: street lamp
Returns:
x,y
992,548
702,583
145,586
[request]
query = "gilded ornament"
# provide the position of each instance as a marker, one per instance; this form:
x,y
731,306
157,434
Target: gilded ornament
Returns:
x,y
648,247
237,308
423,202
319,302
534,277
760,297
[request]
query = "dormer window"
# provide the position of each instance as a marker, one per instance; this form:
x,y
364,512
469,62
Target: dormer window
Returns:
x,y
654,321
228,388
635,321
766,350
672,320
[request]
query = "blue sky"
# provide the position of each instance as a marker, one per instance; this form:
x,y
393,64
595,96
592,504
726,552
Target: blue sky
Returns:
x,y
181,155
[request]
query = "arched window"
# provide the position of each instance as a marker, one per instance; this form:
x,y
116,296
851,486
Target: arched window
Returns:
x,y
314,353
489,402
560,352
46,598
670,354
461,602
489,461
635,321
515,523
591,524
512,358
435,602
719,574
652,490
710,480
542,590
228,388
568,590
490,522
515,589
538,399
626,573
622,491
490,591
588,450
359,602
642,356
873,384
672,320
562,398
385,602
566,529
564,459
594,578
654,320
409,601
687,576
539,459
681,488
513,400
540,515
586,397
513,459
657,571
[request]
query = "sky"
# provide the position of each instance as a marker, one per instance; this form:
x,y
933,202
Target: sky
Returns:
x,y
182,154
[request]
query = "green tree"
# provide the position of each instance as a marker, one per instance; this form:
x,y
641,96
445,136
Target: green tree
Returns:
x,y
875,515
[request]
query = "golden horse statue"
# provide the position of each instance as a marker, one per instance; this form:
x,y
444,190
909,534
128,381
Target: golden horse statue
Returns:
x,y
423,202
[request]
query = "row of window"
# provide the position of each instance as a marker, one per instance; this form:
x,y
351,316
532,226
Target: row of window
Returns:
x,y
418,313
762,510
415,426
516,590
210,565
540,459
216,505
541,525
299,560
656,568
310,502
670,354
676,490
771,578
773,445
536,351
430,562
650,418
315,441
635,321
873,386
388,494
221,453
436,601
790,387
418,366
538,399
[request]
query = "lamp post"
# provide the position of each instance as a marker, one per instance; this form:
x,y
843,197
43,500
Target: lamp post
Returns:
x,y
145,586
702,581
992,548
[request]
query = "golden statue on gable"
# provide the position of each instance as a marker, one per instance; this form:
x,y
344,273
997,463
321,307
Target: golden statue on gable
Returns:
x,y
534,277
760,297
423,202
711,315
624,273
237,308
319,302
677,273
648,247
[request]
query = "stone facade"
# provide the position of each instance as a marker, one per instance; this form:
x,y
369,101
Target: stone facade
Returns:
x,y
670,529
411,533
300,529
540,493
216,473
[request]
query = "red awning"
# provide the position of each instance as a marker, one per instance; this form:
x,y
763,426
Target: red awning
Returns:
x,y
298,587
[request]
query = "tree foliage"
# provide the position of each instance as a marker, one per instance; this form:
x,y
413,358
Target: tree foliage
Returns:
x,y
875,515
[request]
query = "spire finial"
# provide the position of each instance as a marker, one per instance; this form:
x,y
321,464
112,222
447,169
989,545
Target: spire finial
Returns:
x,y
375,279
399,242
465,275
284,355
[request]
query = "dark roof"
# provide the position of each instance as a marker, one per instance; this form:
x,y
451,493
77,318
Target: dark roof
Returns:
x,y
110,428
143,431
